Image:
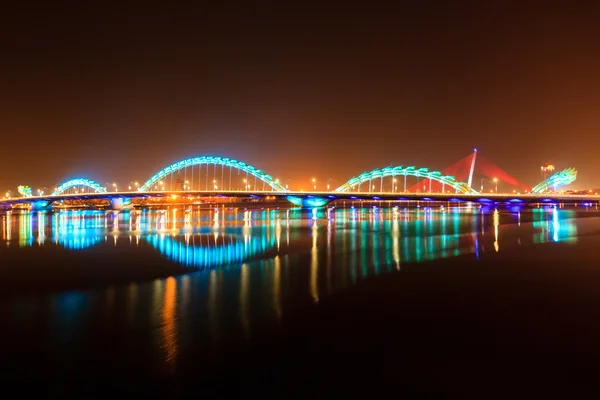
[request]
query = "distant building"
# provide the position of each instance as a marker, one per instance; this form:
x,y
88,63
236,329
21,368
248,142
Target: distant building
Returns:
x,y
547,170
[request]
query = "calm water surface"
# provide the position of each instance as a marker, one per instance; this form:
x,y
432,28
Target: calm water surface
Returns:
x,y
226,275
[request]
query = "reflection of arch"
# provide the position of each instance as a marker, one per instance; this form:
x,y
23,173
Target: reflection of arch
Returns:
x,y
460,187
225,162
561,178
78,230
201,251
78,242
79,182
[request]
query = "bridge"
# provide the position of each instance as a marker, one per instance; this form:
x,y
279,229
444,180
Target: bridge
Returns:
x,y
209,177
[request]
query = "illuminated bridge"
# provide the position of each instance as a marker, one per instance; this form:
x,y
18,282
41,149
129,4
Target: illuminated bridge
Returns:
x,y
210,177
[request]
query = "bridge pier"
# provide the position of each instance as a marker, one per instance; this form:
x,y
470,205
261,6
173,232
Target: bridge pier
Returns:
x,y
308,201
120,203
41,205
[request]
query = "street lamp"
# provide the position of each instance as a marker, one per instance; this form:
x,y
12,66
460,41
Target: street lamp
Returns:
x,y
314,181
496,182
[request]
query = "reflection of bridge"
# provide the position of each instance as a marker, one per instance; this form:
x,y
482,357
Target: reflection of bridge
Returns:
x,y
189,247
202,251
385,236
224,177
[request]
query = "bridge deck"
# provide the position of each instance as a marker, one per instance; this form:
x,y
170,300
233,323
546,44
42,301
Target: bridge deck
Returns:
x,y
488,198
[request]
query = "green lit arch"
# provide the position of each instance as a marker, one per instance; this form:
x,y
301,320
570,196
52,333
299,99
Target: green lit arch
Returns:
x,y
460,187
561,178
227,162
78,182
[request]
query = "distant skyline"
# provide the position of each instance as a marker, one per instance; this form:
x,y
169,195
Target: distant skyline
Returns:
x,y
298,90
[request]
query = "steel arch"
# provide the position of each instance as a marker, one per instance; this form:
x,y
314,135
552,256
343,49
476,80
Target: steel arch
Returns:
x,y
460,187
227,162
78,182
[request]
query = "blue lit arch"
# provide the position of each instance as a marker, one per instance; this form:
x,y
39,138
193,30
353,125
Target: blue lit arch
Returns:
x,y
231,249
79,182
227,162
450,181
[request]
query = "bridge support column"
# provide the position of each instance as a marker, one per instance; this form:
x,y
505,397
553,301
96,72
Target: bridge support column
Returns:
x,y
41,205
120,203
308,201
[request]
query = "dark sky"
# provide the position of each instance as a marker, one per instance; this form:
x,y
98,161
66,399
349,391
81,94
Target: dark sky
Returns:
x,y
298,89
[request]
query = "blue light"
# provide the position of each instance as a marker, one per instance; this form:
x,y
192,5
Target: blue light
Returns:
x,y
78,182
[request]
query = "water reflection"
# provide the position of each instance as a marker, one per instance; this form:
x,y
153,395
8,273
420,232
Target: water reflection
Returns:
x,y
169,326
554,225
246,266
212,238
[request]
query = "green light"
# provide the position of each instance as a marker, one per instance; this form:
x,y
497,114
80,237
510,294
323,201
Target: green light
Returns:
x,y
460,187
561,178
227,162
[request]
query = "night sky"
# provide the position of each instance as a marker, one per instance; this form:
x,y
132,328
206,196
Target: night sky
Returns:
x,y
298,89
